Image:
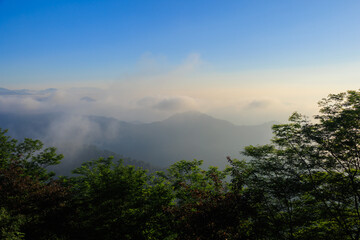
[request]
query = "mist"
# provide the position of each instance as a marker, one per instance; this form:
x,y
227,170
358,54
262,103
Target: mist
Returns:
x,y
128,115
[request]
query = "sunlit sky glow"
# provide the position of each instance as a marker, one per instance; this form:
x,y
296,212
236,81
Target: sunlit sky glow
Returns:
x,y
244,61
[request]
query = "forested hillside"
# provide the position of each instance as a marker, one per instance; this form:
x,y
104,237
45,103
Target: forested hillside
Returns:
x,y
305,184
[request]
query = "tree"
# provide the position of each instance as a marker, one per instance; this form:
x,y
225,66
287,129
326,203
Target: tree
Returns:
x,y
10,225
113,201
205,206
31,200
306,183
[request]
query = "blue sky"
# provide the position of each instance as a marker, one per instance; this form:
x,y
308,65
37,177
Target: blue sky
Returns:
x,y
227,44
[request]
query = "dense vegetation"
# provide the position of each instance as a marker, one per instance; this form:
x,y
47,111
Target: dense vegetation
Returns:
x,y
304,185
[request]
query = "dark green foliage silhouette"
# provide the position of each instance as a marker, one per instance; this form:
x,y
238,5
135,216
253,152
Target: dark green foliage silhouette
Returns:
x,y
306,183
30,197
113,201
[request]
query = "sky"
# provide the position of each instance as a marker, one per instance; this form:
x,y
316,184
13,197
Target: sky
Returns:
x,y
244,61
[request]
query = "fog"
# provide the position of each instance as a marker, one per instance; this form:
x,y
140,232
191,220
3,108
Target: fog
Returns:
x,y
127,115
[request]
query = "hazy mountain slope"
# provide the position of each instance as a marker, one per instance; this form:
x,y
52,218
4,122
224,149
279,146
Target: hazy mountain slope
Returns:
x,y
86,153
28,125
183,136
41,126
187,136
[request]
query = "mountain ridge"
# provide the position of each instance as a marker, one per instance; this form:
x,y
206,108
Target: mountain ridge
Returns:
x,y
186,136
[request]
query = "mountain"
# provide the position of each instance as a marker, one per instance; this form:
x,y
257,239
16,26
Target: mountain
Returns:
x,y
86,153
189,135
5,91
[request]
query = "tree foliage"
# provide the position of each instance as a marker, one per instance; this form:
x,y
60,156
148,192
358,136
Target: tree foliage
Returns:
x,y
113,201
31,200
307,181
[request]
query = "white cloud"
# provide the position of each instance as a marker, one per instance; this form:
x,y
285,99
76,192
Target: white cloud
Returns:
x,y
258,104
191,63
171,104
159,89
176,104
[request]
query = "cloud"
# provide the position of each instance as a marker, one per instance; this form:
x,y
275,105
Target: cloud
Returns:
x,y
155,102
170,104
158,89
75,127
151,64
18,104
38,101
87,99
258,104
175,104
148,101
191,63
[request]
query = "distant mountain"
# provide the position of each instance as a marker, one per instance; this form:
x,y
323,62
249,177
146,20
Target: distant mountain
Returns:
x,y
74,159
186,136
28,125
5,91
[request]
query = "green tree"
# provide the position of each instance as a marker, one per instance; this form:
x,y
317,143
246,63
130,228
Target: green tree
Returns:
x,y
191,175
205,206
305,185
113,201
31,200
10,225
